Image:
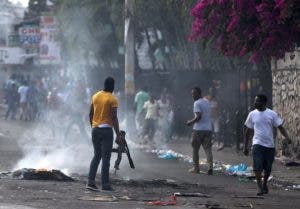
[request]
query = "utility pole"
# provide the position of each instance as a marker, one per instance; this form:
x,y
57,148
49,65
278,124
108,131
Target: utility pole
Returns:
x,y
129,62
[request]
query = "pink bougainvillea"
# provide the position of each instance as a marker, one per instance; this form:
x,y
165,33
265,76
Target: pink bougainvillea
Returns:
x,y
262,29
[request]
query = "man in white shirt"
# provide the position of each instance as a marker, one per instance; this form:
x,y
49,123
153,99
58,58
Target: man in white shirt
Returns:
x,y
202,131
141,97
23,90
151,107
163,122
262,121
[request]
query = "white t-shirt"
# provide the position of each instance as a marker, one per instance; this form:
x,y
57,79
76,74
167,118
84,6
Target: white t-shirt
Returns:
x,y
151,110
163,108
23,93
204,124
263,122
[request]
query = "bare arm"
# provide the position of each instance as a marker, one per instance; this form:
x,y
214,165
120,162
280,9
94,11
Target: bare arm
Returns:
x,y
197,117
275,132
248,133
115,122
91,114
284,133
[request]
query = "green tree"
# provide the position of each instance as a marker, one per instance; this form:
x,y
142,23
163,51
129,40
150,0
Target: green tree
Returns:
x,y
90,27
97,27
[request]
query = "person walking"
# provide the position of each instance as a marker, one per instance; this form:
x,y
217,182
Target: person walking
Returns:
x,y
164,123
202,131
214,116
152,114
23,90
103,117
262,120
76,102
12,102
141,97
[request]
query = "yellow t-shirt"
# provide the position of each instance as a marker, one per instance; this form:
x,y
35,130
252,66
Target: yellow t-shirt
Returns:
x,y
103,102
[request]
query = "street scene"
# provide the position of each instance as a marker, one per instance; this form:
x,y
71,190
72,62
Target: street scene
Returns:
x,y
149,104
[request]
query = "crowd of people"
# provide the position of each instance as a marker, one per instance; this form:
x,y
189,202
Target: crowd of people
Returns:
x,y
68,100
44,98
153,115
104,119
31,99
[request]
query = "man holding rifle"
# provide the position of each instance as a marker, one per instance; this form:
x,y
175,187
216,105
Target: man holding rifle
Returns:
x,y
103,117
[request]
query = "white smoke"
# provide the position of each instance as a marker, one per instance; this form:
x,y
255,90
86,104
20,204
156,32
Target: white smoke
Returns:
x,y
42,150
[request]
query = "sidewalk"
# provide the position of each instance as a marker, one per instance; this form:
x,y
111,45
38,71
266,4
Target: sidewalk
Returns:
x,y
282,174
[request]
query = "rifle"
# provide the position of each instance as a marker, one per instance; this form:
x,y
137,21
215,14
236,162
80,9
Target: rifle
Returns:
x,y
122,148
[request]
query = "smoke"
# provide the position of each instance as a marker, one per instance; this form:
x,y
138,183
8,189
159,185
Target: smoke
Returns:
x,y
46,144
42,150
60,138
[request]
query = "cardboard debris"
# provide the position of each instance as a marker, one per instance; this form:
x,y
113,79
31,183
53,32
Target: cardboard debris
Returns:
x,y
101,198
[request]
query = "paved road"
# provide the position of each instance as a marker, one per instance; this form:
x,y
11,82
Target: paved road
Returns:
x,y
222,189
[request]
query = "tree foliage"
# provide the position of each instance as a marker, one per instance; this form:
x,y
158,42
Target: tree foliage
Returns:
x,y
90,27
171,18
262,28
97,27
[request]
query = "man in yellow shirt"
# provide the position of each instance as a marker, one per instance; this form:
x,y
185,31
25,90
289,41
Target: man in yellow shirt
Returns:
x,y
103,118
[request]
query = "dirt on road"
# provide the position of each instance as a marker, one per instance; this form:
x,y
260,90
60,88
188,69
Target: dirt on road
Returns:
x,y
152,184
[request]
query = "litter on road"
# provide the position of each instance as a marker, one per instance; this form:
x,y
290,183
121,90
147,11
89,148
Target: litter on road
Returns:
x,y
101,198
194,194
249,197
172,201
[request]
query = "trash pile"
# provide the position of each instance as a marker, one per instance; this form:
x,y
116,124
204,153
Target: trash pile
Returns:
x,y
166,154
234,170
242,171
239,170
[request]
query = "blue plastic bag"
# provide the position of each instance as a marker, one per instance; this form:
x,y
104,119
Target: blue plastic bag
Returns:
x,y
167,156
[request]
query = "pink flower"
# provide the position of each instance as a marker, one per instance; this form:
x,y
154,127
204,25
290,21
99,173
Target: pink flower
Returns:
x,y
232,24
264,28
243,51
254,58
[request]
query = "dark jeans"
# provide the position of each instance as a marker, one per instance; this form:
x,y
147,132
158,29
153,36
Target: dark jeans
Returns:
x,y
102,142
202,138
263,158
150,128
12,109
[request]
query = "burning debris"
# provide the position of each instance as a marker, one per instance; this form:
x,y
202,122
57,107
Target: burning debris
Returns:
x,y
41,174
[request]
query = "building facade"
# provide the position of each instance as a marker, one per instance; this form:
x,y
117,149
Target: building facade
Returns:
x,y
286,97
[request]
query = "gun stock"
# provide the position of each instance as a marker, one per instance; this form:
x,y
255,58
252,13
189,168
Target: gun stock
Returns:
x,y
123,148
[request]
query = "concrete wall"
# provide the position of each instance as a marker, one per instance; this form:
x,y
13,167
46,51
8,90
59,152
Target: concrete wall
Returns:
x,y
286,98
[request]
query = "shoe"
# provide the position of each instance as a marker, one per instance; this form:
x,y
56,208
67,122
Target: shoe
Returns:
x,y
92,187
194,170
210,172
265,189
107,188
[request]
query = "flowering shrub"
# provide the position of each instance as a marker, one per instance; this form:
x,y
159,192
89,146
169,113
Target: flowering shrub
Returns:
x,y
261,28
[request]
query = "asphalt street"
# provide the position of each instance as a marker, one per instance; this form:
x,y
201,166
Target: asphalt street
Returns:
x,y
153,179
